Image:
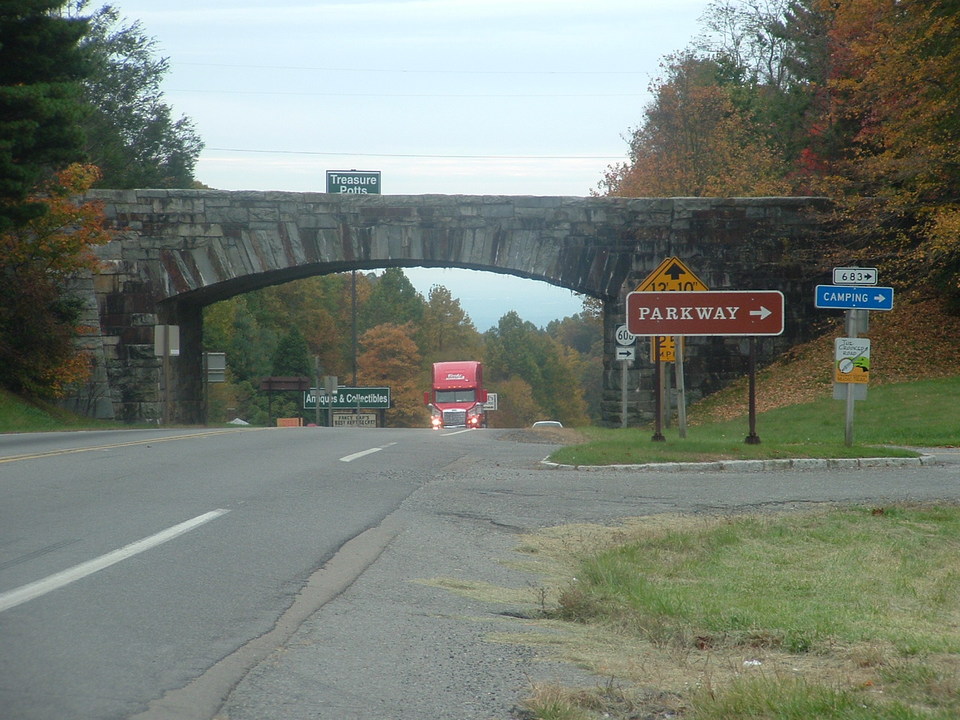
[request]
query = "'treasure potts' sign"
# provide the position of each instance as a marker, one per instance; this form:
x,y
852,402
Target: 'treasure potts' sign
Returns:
x,y
353,182
711,312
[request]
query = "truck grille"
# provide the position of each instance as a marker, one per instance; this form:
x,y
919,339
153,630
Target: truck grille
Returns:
x,y
452,418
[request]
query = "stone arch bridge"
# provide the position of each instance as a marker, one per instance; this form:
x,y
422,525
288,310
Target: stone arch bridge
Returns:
x,y
176,251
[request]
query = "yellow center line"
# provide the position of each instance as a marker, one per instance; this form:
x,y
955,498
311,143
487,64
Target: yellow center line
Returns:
x,y
68,451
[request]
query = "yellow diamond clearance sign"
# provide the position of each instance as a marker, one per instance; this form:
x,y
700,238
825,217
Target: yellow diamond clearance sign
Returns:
x,y
670,275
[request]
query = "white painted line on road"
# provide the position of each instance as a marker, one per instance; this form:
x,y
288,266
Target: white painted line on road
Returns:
x,y
363,453
457,432
354,456
34,590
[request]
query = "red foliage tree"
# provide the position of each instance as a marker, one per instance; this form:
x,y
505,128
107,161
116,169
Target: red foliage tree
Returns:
x,y
38,317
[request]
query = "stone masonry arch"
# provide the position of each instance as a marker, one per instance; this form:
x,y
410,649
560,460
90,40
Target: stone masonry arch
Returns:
x,y
176,251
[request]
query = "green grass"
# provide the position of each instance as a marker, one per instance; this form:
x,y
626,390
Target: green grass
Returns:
x,y
850,612
798,583
920,414
19,415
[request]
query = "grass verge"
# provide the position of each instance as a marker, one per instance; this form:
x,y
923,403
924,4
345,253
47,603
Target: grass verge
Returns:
x,y
845,613
921,414
19,415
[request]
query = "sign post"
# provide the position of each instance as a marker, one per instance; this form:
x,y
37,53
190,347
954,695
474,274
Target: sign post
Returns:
x,y
852,367
671,275
711,312
852,354
166,344
658,382
752,437
625,353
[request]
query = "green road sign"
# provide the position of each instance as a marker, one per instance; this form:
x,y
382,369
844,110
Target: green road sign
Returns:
x,y
355,182
349,397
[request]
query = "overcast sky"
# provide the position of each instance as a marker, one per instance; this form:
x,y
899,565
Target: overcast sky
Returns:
x,y
485,97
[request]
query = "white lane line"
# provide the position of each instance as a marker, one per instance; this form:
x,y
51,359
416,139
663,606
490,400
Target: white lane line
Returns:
x,y
34,590
354,456
457,432
362,453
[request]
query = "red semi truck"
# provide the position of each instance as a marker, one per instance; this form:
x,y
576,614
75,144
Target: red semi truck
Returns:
x,y
457,396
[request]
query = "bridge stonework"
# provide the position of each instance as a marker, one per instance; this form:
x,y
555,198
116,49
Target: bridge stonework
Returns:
x,y
176,251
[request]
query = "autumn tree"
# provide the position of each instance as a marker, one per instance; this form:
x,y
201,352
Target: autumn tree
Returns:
x,y
516,405
38,315
896,79
389,357
320,308
41,66
696,141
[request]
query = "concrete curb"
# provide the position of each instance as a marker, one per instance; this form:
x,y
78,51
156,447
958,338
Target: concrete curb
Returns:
x,y
758,465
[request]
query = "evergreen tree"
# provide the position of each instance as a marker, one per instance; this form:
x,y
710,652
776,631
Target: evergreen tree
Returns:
x,y
250,350
291,356
510,350
40,69
393,299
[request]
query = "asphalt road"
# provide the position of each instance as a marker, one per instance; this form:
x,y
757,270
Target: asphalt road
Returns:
x,y
298,587
132,562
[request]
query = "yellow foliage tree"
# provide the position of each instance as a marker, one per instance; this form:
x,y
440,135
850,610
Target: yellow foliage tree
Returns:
x,y
515,404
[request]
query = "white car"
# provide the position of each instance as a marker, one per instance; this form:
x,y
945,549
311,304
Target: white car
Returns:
x,y
547,423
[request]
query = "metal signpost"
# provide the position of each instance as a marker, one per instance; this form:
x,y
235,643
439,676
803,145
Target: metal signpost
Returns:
x,y
625,353
166,344
852,354
671,275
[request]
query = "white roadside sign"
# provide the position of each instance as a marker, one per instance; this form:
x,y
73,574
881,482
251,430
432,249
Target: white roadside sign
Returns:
x,y
624,336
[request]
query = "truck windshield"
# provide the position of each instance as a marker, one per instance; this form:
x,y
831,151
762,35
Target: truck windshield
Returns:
x,y
447,396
